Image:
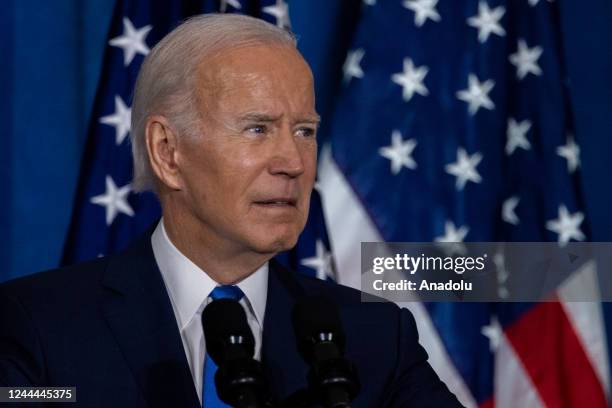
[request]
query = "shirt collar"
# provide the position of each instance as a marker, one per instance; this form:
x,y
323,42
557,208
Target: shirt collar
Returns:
x,y
255,289
189,286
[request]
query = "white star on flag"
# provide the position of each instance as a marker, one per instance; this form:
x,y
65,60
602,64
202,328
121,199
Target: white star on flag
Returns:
x,y
533,3
411,79
132,41
516,135
369,2
455,236
525,60
567,226
352,65
423,10
571,152
321,261
499,259
487,21
477,94
452,234
114,200
465,168
224,3
399,152
120,120
493,332
509,210
281,11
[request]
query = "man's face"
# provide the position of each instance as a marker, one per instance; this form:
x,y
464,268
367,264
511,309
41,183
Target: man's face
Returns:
x,y
247,179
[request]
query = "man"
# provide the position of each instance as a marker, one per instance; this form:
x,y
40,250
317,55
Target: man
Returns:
x,y
224,131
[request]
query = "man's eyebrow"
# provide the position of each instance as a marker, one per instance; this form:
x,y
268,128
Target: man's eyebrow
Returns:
x,y
258,117
315,118
263,117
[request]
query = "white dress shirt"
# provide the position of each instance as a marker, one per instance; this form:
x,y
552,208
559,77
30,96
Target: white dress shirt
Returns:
x,y
189,286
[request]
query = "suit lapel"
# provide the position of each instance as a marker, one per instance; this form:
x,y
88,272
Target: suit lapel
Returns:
x,y
283,366
138,310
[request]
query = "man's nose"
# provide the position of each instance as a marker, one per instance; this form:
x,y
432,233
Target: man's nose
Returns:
x,y
287,156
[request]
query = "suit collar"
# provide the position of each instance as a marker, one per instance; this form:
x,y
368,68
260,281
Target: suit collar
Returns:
x,y
140,316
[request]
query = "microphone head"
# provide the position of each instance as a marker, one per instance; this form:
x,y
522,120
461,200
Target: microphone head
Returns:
x,y
316,322
227,332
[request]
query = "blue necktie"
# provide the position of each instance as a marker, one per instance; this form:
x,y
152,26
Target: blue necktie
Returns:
x,y
210,399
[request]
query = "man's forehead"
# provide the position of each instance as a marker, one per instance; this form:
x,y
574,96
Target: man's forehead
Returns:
x,y
248,60
255,76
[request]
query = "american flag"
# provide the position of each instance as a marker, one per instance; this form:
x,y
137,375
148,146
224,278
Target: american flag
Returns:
x,y
452,123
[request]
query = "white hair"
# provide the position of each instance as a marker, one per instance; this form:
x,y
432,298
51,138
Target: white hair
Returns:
x,y
166,81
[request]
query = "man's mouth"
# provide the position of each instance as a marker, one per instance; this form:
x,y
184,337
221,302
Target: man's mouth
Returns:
x,y
278,202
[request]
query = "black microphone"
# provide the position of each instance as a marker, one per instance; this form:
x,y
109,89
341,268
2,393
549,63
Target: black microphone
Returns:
x,y
230,343
332,379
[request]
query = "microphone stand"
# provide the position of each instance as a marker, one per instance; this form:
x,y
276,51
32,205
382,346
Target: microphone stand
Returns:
x,y
240,381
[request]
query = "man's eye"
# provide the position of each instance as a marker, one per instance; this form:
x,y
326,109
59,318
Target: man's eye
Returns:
x,y
306,132
257,129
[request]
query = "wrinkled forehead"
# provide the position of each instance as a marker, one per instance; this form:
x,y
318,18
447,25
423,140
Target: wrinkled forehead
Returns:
x,y
266,71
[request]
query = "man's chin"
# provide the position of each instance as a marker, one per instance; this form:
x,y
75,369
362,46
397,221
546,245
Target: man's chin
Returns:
x,y
274,245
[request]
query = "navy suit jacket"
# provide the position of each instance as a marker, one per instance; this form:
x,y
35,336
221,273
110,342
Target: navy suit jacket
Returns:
x,y
108,328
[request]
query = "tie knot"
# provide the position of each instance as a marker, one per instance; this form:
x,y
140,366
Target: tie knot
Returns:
x,y
226,292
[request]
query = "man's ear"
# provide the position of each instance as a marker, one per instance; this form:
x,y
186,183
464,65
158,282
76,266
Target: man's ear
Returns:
x,y
162,147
